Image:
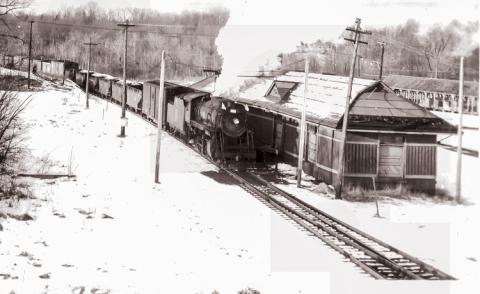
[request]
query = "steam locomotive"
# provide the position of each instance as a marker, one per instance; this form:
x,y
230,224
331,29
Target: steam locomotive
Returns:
x,y
217,127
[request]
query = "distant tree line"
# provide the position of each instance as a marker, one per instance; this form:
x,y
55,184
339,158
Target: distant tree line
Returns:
x,y
188,38
434,53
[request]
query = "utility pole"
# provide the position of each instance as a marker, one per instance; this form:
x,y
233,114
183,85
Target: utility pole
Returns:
x,y
358,31
89,44
30,52
382,44
460,130
359,57
160,118
301,143
436,67
125,25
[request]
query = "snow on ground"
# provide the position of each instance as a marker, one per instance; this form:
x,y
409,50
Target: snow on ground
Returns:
x,y
112,228
440,233
195,232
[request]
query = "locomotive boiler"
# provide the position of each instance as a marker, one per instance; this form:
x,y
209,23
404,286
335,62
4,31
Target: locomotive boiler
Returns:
x,y
229,118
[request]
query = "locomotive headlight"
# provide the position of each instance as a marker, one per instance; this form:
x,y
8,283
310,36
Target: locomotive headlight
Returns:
x,y
236,121
233,110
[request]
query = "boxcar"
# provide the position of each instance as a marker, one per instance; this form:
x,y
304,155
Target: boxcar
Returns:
x,y
37,66
150,97
19,62
46,67
63,69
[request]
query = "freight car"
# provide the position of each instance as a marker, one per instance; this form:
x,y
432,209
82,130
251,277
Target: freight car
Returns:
x,y
93,82
81,77
105,86
134,94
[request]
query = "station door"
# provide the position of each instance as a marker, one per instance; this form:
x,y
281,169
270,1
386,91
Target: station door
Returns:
x,y
391,161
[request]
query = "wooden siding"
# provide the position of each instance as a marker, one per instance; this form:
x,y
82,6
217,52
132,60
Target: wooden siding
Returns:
x,y
324,152
291,140
312,146
421,160
361,158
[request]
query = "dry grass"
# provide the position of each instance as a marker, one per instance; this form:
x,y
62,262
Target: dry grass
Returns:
x,y
17,83
359,194
249,291
14,189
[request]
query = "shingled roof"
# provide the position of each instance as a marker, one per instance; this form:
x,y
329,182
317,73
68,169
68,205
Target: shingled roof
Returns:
x,y
431,84
373,105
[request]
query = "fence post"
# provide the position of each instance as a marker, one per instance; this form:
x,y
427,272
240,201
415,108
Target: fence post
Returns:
x,y
376,196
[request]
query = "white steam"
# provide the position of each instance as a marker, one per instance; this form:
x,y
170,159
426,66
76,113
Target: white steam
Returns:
x,y
245,48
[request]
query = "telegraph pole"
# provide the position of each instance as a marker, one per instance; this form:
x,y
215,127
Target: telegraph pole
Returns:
x,y
30,52
125,25
460,130
358,31
359,65
89,44
382,44
160,118
301,144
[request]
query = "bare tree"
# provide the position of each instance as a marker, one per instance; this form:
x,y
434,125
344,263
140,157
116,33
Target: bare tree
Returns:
x,y
10,7
11,128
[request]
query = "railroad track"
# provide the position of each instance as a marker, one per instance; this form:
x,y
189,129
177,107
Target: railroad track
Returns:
x,y
373,256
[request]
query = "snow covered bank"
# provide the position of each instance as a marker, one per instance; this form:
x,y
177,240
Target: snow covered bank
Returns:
x,y
112,228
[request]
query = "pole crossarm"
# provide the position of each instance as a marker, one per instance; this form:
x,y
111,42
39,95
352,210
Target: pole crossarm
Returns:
x,y
87,94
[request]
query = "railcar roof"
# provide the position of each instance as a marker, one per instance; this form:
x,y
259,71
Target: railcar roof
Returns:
x,y
207,84
431,84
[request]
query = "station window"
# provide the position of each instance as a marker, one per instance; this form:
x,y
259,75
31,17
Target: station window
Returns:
x,y
312,145
281,90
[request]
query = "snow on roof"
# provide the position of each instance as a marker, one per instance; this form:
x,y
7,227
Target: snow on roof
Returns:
x,y
325,99
98,75
430,84
129,82
206,85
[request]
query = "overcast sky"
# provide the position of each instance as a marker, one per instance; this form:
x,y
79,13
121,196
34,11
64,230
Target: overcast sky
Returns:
x,y
331,12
